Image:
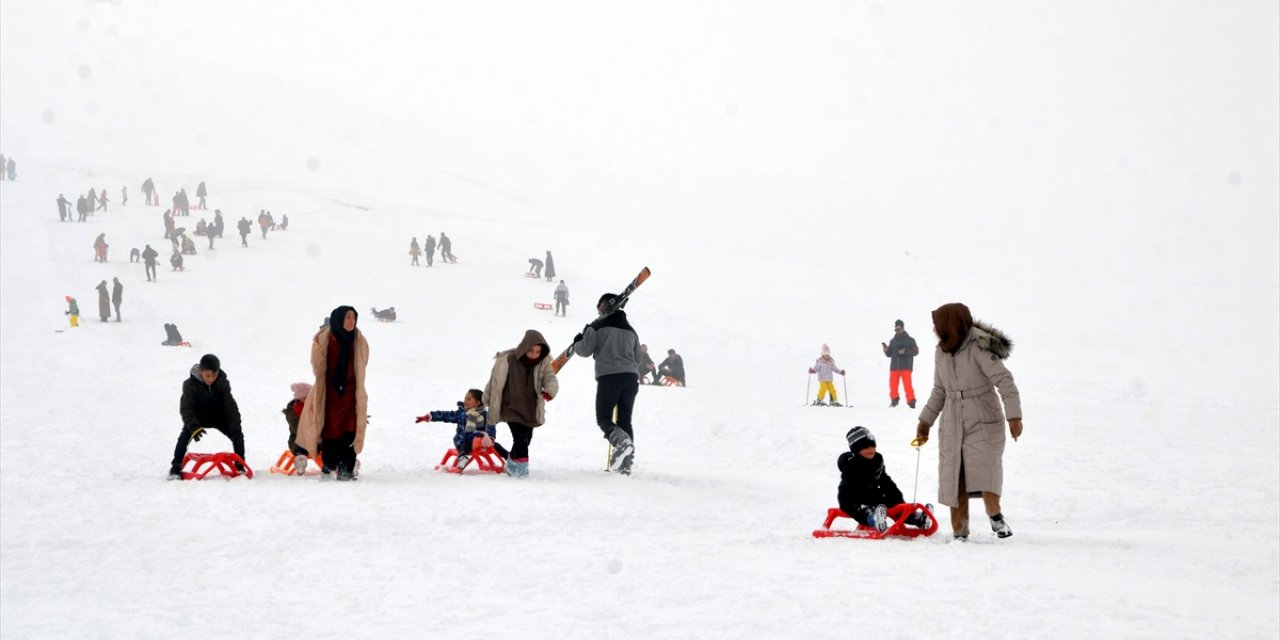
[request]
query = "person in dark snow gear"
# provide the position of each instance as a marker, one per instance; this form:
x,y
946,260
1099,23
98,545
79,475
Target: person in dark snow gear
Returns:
x,y
673,366
206,404
201,192
472,419
551,267
562,298
149,260
104,302
446,248
244,226
535,267
968,369
284,222
124,195
866,491
825,366
91,200
102,200
135,255
520,385
62,208
218,225
149,191
613,344
901,351
172,337
430,249
336,413
117,296
647,367
175,261
386,315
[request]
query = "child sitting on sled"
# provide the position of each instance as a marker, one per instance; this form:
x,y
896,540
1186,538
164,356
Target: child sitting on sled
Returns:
x,y
473,420
866,490
292,412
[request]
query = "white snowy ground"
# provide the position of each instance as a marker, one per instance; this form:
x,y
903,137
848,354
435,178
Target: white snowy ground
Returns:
x,y
1144,495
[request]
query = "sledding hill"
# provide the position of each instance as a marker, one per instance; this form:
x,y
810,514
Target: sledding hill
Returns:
x,y
782,198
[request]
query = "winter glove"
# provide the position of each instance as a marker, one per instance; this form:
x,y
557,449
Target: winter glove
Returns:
x,y
922,435
197,434
1015,428
426,418
546,396
577,338
842,372
811,371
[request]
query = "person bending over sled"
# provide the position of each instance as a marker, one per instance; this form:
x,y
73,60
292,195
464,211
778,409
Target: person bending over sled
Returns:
x,y
473,420
206,403
866,490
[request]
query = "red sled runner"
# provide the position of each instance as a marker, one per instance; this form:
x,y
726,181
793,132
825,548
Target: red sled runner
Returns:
x,y
899,527
224,462
486,459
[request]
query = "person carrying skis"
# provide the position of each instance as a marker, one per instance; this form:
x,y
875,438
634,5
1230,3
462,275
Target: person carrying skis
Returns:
x,y
866,491
825,367
206,404
562,298
613,344
901,352
473,423
520,385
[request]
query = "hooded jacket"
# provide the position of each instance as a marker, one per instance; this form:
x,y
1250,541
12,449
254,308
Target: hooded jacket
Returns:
x,y
210,405
544,379
311,422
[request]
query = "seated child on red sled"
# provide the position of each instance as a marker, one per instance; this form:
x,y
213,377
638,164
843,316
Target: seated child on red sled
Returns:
x,y
292,412
866,490
472,420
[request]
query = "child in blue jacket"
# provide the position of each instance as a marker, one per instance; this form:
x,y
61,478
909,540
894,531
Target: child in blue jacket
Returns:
x,y
473,420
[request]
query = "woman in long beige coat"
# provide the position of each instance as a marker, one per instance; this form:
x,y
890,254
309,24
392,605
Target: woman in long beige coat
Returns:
x,y
520,385
336,411
968,368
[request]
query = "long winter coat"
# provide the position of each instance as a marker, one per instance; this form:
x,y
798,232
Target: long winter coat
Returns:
x,y
972,433
551,267
104,301
544,379
311,422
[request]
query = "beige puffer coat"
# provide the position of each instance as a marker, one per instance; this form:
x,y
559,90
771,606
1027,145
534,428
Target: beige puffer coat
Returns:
x,y
972,434
311,422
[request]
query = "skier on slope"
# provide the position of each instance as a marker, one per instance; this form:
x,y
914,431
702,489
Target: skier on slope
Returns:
x,y
825,367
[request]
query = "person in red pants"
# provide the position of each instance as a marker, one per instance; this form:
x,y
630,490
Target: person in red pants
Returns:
x,y
901,351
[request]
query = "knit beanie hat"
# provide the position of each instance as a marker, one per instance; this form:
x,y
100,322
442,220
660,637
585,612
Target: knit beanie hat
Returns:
x,y
300,390
209,362
826,351
898,323
860,438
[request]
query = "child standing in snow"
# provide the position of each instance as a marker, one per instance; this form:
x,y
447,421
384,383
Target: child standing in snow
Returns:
x,y
866,490
292,411
73,311
473,421
825,367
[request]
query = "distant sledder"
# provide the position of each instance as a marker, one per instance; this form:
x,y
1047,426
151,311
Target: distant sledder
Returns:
x,y
386,315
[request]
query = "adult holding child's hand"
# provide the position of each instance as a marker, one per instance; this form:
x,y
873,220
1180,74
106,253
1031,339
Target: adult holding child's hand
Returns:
x,y
968,370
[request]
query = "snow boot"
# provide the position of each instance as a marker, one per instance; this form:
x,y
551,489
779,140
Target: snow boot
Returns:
x,y
893,402
911,403
462,461
836,404
1001,527
517,467
878,517
175,474
623,451
299,465
345,475
919,519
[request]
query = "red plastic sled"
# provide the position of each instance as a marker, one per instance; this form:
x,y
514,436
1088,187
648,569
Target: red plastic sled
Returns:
x,y
899,527
224,462
544,306
485,458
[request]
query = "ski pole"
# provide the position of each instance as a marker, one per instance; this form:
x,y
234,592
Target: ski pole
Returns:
x,y
806,388
845,380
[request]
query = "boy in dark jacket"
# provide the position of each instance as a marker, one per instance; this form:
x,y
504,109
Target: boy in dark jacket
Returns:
x,y
866,490
206,403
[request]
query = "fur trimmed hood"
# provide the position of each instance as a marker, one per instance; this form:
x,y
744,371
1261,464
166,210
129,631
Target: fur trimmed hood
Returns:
x,y
991,339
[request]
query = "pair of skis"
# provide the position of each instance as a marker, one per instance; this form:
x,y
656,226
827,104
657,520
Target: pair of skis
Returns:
x,y
614,305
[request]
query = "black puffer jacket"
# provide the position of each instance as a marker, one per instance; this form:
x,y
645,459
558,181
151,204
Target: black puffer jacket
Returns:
x,y
209,405
865,482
